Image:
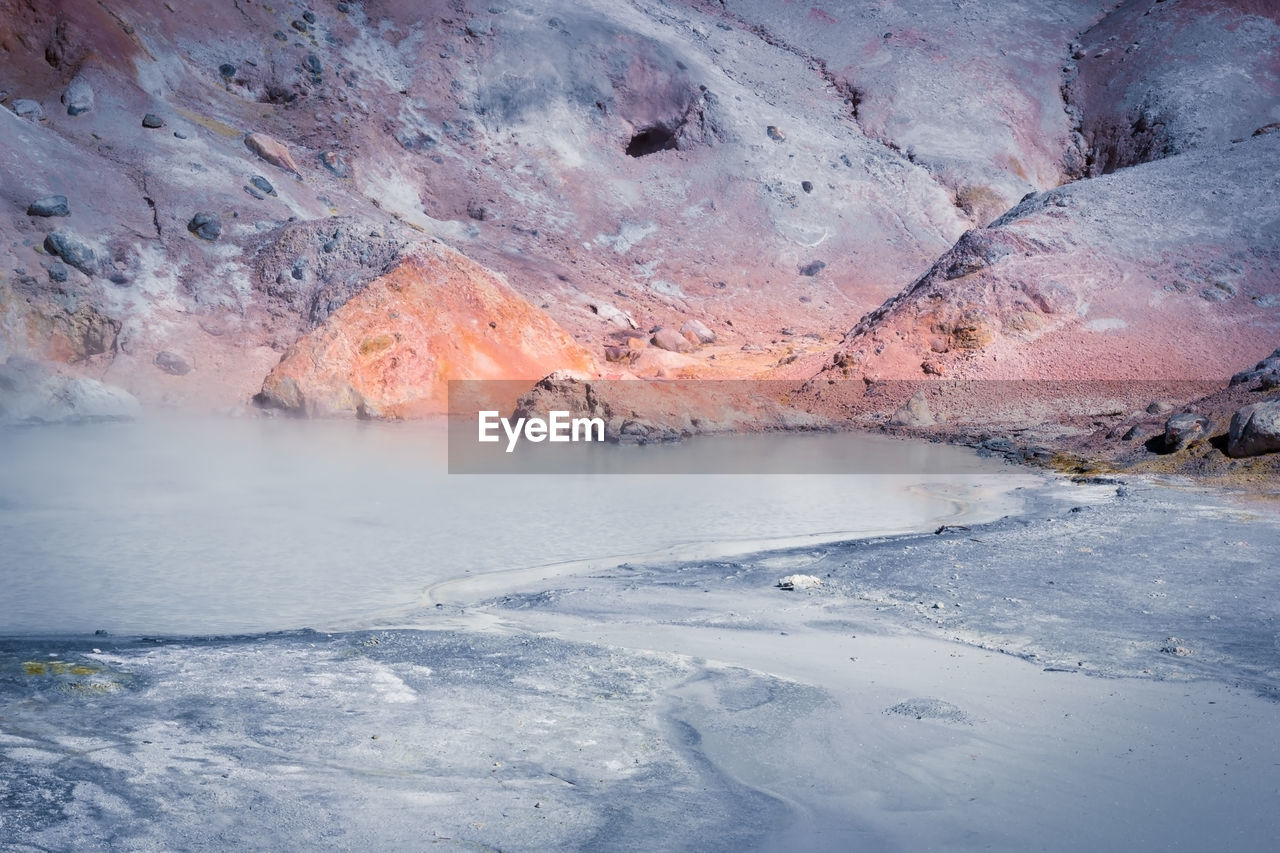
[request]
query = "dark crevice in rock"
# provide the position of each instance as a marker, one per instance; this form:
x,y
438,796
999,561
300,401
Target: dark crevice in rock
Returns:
x,y
651,140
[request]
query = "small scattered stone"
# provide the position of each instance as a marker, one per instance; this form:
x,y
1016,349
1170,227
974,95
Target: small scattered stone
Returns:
x,y
78,97
172,363
28,109
52,205
775,134
57,272
271,150
793,582
255,192
227,70
344,8
72,249
812,268
312,63
206,226
152,121
1159,408
333,161
299,26
807,186
279,35
263,184
179,134
309,17
477,28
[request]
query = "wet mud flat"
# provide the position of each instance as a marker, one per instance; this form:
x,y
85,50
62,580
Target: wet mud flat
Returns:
x,y
1099,672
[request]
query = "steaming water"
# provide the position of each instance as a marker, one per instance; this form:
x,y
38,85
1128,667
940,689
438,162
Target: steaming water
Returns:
x,y
180,527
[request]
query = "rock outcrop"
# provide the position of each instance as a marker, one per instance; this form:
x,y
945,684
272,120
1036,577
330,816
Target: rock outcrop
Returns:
x,y
390,350
1255,429
1166,270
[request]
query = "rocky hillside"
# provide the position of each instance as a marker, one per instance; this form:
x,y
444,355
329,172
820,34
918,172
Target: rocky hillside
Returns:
x,y
333,207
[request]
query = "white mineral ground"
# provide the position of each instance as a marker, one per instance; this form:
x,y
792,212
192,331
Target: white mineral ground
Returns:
x,y
1065,666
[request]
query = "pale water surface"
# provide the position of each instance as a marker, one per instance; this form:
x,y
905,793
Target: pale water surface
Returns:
x,y
197,527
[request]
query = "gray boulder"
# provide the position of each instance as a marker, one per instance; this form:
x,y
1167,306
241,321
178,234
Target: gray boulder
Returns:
x,y
1255,429
50,205
28,109
1183,428
73,249
78,97
914,413
206,226
1266,373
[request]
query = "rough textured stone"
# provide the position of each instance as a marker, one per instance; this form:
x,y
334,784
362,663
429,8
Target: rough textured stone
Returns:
x,y
52,205
914,413
1266,373
152,121
1255,429
271,150
698,332
78,97
390,349
28,109
1183,428
172,363
671,340
71,248
31,393
333,161
207,226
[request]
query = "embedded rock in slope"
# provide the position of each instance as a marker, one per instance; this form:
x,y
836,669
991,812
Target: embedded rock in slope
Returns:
x,y
1101,279
1255,430
31,393
1182,429
271,150
390,350
1156,79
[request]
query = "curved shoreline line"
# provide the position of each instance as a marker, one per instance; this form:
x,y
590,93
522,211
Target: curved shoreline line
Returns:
x,y
954,508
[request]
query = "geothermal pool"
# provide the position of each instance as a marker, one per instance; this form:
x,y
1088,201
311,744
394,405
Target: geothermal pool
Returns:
x,y
181,527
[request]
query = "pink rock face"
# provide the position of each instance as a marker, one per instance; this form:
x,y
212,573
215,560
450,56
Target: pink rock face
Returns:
x,y
1170,270
750,166
391,349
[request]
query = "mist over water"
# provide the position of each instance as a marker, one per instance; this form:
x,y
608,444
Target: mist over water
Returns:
x,y
218,526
